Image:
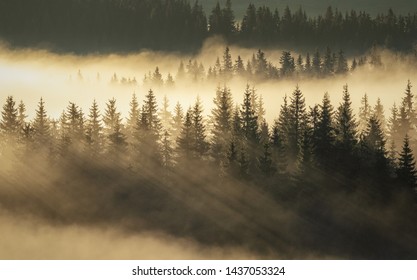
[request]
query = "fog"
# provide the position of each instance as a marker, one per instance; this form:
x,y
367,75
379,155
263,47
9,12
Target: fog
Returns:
x,y
29,75
79,211
31,238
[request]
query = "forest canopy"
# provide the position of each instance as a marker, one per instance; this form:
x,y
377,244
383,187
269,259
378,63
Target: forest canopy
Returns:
x,y
178,25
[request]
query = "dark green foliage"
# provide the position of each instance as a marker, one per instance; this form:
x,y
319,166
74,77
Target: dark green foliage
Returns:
x,y
297,122
406,171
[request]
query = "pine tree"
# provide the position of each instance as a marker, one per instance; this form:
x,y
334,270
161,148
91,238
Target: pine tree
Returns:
x,y
297,123
167,152
410,114
9,124
21,110
316,64
113,128
41,128
170,83
394,127
134,113
406,171
249,118
239,67
222,122
185,140
261,65
325,137
364,113
148,133
227,69
94,131
201,146
177,120
342,66
379,114
345,127
157,78
287,64
328,63
278,147
265,162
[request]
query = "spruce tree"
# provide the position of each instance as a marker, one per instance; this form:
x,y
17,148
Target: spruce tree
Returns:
x,y
134,113
177,120
9,124
185,140
249,119
345,127
325,137
227,69
297,123
265,162
379,114
94,131
41,127
201,146
364,113
222,123
406,171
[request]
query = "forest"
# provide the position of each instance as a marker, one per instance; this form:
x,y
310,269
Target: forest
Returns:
x,y
228,179
165,126
177,25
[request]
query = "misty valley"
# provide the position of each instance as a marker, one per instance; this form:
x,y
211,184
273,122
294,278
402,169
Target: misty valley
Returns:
x,y
243,139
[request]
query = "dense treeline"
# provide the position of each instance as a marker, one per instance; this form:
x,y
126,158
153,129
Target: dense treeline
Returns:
x,y
259,68
227,179
129,25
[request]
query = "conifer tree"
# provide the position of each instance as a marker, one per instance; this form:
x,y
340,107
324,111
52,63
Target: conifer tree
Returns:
x,y
21,114
297,123
410,114
134,113
316,64
157,78
406,171
239,67
94,131
379,114
9,124
167,152
278,147
201,145
342,66
364,113
249,119
345,127
227,69
222,122
177,120
324,138
113,128
185,140
266,164
287,64
41,127
394,127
